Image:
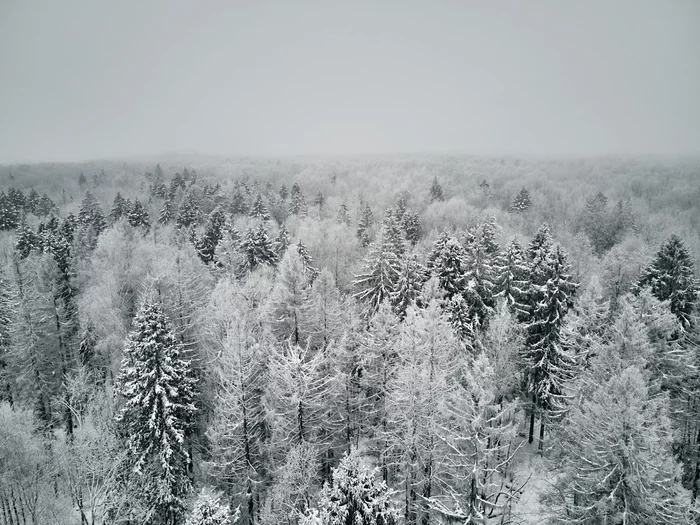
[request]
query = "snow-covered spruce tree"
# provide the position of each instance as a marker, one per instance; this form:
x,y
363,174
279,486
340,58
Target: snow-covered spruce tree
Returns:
x,y
257,250
416,407
586,323
364,225
671,276
343,214
409,285
447,262
91,222
511,280
480,275
616,458
158,392
412,227
282,241
213,233
239,204
436,191
117,208
138,216
297,201
238,431
27,241
283,192
521,202
354,497
9,214
381,270
288,299
548,363
208,510
7,313
393,230
259,210
167,211
188,213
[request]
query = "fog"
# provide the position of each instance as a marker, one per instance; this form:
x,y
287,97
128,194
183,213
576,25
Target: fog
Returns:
x,y
91,79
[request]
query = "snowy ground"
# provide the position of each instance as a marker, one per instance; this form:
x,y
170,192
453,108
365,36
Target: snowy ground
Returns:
x,y
528,510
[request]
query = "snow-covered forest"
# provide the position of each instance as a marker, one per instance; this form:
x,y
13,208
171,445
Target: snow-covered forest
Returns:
x,y
382,340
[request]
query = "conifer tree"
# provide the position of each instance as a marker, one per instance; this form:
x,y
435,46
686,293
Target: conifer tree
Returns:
x,y
325,312
447,262
208,510
117,208
239,205
671,276
393,230
138,216
283,192
320,201
257,249
521,202
354,497
343,214
411,226
188,213
511,280
309,269
480,275
380,274
32,202
548,364
213,233
258,210
364,226
167,210
409,285
617,460
436,191
282,241
297,202
27,241
7,312
158,393
9,214
288,299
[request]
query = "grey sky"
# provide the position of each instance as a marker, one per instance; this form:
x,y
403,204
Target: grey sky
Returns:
x,y
98,78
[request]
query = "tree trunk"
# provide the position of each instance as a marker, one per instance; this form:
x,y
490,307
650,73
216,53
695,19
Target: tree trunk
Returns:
x,y
541,445
532,419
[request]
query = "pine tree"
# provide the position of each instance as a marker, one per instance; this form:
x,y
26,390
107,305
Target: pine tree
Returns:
x,y
380,274
45,206
239,205
480,275
319,201
392,227
354,497
521,202
32,202
671,276
364,226
259,210
283,192
616,459
436,191
158,393
166,212
297,203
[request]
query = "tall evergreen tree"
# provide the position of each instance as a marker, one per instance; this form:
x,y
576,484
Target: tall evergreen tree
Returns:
x,y
309,269
297,202
411,226
258,210
117,208
436,191
364,225
213,233
138,216
671,277
380,274
409,285
9,214
257,249
512,278
343,214
548,364
282,241
521,202
188,213
158,393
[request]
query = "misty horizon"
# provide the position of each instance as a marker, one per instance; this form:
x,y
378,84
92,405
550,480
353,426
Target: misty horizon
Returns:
x,y
110,82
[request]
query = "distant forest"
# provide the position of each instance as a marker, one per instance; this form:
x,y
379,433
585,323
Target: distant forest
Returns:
x,y
379,340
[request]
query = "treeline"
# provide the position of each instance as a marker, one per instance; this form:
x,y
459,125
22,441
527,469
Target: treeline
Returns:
x,y
194,353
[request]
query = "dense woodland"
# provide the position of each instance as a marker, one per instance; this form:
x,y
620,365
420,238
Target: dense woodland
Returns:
x,y
383,340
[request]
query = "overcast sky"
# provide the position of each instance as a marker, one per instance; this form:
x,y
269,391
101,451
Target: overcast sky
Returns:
x,y
97,78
